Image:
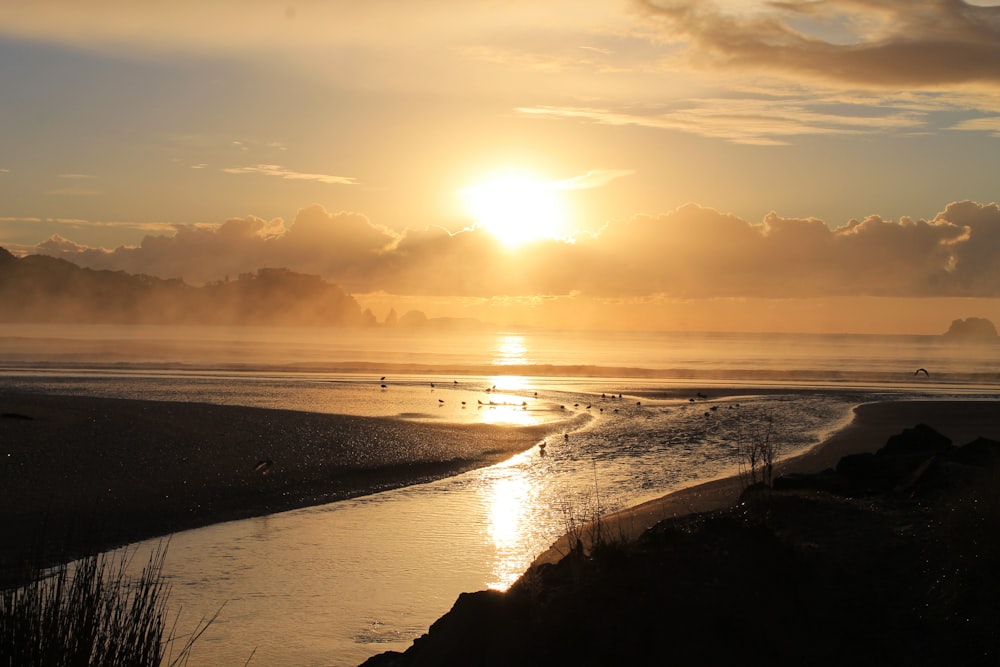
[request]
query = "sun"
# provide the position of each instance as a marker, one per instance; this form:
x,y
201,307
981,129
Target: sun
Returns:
x,y
516,208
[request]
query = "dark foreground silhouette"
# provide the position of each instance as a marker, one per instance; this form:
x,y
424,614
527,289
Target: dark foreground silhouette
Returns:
x,y
892,558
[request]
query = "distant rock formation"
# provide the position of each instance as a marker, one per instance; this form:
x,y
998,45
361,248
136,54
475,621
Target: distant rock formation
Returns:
x,y
41,289
972,327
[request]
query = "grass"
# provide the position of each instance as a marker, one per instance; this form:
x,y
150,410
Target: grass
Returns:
x,y
93,613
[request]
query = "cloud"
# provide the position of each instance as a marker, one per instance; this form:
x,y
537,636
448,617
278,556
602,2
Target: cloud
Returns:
x,y
881,43
57,245
763,121
692,252
278,171
989,124
595,178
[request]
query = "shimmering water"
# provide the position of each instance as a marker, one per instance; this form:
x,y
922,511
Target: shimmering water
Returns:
x,y
335,584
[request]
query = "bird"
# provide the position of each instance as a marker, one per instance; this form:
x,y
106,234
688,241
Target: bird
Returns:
x,y
921,370
264,466
382,379
383,385
440,400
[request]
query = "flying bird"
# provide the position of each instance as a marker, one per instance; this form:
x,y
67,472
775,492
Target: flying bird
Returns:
x,y
264,466
921,370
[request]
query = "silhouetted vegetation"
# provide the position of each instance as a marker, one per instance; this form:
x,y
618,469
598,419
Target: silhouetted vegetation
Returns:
x,y
44,289
92,613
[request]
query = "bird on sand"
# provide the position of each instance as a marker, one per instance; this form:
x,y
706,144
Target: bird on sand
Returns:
x,y
921,370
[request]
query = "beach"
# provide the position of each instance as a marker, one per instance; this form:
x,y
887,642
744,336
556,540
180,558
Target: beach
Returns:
x,y
84,473
894,564
94,473
871,426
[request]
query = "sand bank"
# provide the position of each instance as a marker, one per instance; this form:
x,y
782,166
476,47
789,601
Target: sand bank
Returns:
x,y
87,472
873,424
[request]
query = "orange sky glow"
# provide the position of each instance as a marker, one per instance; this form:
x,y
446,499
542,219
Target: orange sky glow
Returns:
x,y
626,164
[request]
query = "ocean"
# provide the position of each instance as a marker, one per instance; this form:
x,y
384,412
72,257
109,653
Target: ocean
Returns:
x,y
640,415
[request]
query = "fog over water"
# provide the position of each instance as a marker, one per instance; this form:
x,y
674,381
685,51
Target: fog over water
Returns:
x,y
335,584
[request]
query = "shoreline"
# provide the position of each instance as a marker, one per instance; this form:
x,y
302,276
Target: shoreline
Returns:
x,y
873,423
72,479
83,473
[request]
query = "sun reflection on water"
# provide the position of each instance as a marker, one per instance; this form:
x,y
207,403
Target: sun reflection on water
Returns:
x,y
504,406
510,350
509,499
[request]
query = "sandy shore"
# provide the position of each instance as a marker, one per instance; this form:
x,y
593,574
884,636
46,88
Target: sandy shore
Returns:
x,y
93,473
873,424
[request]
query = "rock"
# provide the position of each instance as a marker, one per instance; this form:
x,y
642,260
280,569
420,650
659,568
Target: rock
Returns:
x,y
981,452
829,481
919,440
972,327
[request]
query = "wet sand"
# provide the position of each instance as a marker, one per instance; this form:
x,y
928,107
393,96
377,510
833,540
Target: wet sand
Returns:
x,y
873,424
81,473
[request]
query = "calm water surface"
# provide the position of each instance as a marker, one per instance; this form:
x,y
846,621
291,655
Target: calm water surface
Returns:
x,y
335,584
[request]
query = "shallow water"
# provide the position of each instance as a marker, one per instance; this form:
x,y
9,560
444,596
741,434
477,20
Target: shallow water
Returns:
x,y
338,583
333,585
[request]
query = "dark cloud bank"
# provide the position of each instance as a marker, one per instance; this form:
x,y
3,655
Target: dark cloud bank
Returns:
x,y
692,252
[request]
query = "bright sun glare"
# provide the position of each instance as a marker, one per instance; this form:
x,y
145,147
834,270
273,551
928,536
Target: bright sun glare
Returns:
x,y
516,208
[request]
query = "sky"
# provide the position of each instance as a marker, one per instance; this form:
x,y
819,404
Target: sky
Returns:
x,y
804,165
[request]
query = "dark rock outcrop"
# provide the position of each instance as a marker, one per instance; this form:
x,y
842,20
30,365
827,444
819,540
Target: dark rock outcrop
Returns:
x,y
903,578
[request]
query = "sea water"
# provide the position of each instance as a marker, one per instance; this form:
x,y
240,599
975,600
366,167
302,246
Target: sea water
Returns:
x,y
639,415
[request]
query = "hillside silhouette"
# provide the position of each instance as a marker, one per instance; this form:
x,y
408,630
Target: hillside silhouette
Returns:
x,y
41,289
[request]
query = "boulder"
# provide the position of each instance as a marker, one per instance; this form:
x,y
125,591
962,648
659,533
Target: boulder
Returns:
x,y
921,440
981,452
